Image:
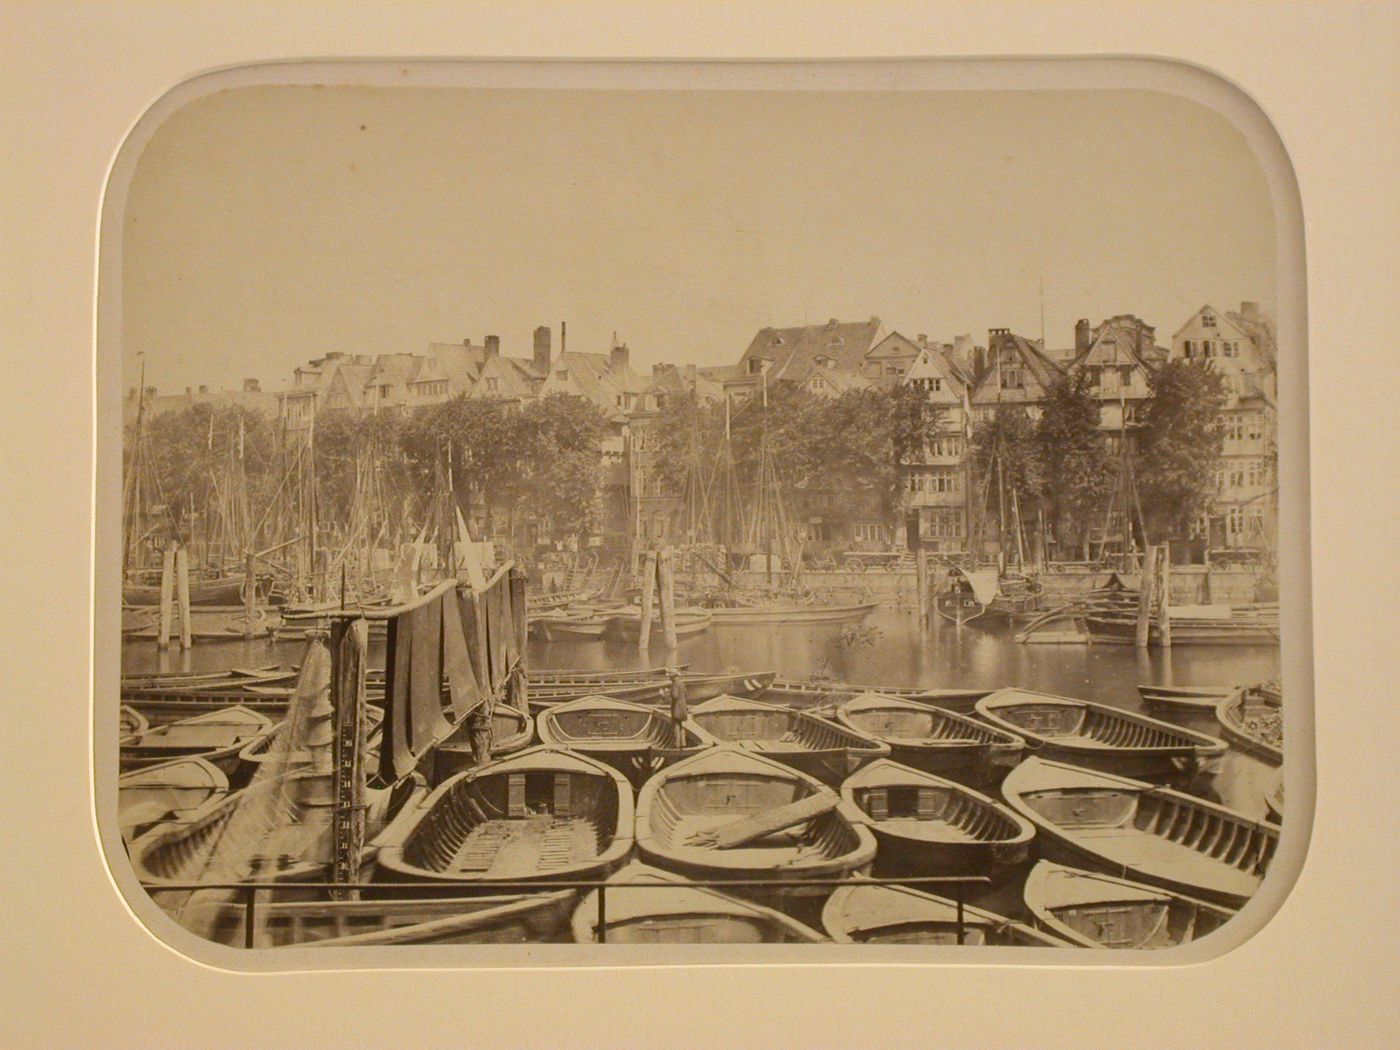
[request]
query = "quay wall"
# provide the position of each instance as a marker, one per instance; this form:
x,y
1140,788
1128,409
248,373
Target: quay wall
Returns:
x,y
1191,585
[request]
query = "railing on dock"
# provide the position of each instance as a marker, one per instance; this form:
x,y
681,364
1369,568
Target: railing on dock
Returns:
x,y
249,890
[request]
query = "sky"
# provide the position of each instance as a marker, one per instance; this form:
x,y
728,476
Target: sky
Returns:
x,y
266,226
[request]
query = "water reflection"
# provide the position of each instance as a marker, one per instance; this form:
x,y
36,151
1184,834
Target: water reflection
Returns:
x,y
894,651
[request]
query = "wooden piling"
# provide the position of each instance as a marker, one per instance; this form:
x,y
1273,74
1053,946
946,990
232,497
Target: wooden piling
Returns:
x,y
668,596
648,601
1164,595
922,582
1146,579
250,594
167,594
182,595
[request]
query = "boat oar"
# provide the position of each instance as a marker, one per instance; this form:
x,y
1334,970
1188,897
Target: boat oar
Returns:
x,y
749,829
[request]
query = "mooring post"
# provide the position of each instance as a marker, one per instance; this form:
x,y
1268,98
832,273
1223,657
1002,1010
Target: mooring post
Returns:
x,y
250,595
182,595
1164,595
167,594
249,906
667,567
648,601
921,582
1146,578
602,915
958,897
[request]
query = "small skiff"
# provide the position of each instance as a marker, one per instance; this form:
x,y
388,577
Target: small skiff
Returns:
x,y
730,814
698,687
1094,910
815,746
131,722
1253,724
812,694
217,736
634,738
1204,698
518,918
626,626
679,913
1139,831
926,825
864,914
932,739
542,814
1100,737
784,614
172,791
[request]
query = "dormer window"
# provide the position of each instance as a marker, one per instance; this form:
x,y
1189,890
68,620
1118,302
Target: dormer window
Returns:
x,y
757,365
777,340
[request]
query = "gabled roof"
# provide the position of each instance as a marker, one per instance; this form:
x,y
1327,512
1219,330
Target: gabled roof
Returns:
x,y
1219,318
933,363
1112,342
1041,370
793,351
1261,333
592,376
516,379
836,380
895,345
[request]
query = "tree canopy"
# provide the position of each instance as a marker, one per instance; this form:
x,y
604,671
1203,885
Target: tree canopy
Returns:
x,y
1181,440
1075,465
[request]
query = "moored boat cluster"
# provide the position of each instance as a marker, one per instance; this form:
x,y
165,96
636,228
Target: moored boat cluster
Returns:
x,y
679,807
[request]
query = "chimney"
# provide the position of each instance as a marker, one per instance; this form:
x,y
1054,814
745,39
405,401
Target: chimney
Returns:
x,y
658,370
832,323
542,336
618,358
189,390
493,346
250,386
1083,335
923,340
203,389
1249,311
563,338
690,375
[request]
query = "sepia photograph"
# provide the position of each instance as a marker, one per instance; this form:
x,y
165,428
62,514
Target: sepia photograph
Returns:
x,y
698,517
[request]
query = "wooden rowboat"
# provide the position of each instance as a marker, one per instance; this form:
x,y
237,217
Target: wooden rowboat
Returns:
x,y
625,626
633,738
1094,910
170,792
1142,832
518,918
264,748
1204,698
217,736
1241,629
537,602
932,739
725,814
815,746
1253,724
231,678
567,676
698,687
681,914
796,693
926,825
540,815
789,613
131,722
864,914
225,591
1100,737
565,626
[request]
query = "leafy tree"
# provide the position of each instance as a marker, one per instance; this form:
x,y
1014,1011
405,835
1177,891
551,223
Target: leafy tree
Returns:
x,y
1075,465
1011,436
1180,444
